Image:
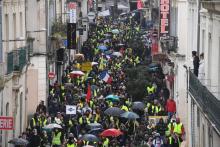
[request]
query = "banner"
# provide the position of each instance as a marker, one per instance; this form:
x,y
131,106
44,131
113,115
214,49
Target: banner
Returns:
x,y
70,109
164,18
71,36
72,11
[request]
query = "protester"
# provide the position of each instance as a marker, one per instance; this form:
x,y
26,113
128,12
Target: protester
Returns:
x,y
101,88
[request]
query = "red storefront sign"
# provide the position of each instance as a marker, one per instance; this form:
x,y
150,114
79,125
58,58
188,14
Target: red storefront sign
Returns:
x,y
164,18
51,75
6,123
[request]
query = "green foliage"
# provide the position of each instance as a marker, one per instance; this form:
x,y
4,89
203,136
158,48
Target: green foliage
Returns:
x,y
137,80
59,29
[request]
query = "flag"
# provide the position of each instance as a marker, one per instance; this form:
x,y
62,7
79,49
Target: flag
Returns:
x,y
140,4
105,77
89,94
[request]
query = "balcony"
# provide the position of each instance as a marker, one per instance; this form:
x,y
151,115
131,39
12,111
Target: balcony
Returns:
x,y
211,5
206,100
16,60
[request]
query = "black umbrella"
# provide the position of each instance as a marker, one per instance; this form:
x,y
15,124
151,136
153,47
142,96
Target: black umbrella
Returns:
x,y
18,141
90,138
95,131
138,106
114,111
94,126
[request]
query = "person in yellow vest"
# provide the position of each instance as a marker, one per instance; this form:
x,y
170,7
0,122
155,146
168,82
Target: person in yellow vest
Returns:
x,y
124,107
35,122
151,89
179,129
173,141
57,138
71,141
43,121
105,142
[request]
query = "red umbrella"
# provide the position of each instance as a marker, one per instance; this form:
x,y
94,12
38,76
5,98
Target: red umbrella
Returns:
x,y
111,133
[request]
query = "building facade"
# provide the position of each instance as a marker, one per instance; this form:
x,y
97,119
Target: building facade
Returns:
x,y
14,68
197,29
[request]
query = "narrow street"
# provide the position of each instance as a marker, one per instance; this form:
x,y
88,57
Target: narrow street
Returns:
x,y
115,73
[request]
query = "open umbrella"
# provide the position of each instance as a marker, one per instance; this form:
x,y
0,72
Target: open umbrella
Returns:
x,y
138,105
18,141
117,54
113,111
95,131
102,47
77,73
115,31
95,63
90,138
94,126
53,125
130,115
111,133
112,97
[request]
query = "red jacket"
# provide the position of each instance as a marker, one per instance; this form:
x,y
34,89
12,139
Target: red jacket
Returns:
x,y
171,105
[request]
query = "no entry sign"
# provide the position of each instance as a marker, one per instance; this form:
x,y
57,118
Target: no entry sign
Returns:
x,y
51,75
6,123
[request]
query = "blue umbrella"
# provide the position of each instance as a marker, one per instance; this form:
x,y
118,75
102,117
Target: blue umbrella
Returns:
x,y
130,115
102,47
112,97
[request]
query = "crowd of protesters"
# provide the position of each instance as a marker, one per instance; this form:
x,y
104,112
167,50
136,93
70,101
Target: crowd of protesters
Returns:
x,y
88,93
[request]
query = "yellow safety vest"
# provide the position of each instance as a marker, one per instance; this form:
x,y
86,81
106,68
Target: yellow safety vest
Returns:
x,y
43,123
125,108
150,90
56,139
178,128
34,122
80,120
106,143
71,145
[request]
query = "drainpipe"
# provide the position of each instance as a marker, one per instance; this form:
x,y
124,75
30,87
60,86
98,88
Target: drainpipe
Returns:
x,y
198,31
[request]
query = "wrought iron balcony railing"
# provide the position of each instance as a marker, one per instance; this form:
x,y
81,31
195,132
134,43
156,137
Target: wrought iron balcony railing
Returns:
x,y
16,60
207,101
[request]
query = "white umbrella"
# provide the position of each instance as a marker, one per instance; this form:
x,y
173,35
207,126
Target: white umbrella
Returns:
x,y
118,54
94,63
77,72
51,126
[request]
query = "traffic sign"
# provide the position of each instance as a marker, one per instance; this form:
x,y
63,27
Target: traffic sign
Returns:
x,y
91,15
6,123
51,75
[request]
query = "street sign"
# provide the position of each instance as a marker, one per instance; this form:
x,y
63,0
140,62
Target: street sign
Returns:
x,y
86,66
91,15
51,75
6,123
70,109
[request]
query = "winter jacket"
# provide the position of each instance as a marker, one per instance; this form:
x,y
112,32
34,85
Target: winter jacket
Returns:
x,y
171,105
